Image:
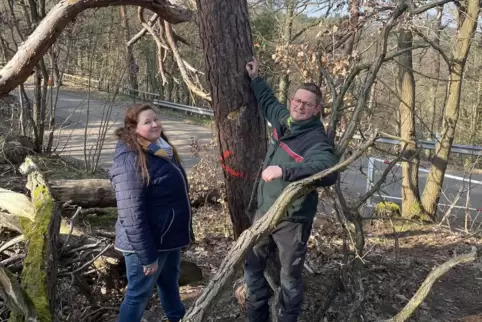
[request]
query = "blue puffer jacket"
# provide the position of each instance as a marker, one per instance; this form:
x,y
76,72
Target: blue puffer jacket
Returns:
x,y
154,217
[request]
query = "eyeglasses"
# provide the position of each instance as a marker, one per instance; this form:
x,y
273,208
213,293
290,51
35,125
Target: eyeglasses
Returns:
x,y
298,102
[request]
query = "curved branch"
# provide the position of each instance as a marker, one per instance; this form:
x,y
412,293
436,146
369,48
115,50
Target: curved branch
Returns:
x,y
182,68
21,65
427,284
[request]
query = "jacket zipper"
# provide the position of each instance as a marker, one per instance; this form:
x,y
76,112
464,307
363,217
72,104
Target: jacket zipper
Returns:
x,y
268,163
187,194
170,224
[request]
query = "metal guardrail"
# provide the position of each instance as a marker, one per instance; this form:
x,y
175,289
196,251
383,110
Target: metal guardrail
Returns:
x,y
182,107
475,150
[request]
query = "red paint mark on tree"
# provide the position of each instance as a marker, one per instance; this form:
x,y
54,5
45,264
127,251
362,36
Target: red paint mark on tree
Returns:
x,y
226,154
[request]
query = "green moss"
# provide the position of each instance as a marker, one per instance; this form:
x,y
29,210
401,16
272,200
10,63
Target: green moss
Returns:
x,y
415,211
387,209
34,275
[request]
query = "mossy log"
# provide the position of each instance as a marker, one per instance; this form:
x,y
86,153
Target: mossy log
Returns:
x,y
39,274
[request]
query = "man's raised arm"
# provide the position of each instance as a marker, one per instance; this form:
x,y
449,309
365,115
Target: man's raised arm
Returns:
x,y
272,109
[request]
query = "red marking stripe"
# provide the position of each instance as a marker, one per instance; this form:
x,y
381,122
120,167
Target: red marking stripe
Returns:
x,y
291,153
229,170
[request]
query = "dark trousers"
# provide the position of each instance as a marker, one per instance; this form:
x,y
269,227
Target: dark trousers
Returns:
x,y
290,239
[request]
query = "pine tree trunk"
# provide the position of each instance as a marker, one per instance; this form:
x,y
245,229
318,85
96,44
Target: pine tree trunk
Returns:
x,y
241,128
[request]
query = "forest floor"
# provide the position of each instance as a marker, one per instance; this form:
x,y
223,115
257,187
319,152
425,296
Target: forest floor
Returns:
x,y
398,258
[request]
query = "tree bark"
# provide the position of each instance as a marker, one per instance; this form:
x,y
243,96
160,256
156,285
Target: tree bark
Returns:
x,y
284,82
434,119
468,14
406,83
20,66
130,61
87,193
240,126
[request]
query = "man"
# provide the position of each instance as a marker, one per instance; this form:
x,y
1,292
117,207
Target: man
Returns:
x,y
299,149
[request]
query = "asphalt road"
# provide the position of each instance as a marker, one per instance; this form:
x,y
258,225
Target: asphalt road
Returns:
x,y
71,118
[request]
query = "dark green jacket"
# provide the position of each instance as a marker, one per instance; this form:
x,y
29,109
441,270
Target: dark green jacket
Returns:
x,y
301,149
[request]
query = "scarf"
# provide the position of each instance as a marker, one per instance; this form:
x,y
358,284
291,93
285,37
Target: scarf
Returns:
x,y
161,148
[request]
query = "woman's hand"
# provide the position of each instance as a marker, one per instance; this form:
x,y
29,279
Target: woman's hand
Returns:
x,y
150,269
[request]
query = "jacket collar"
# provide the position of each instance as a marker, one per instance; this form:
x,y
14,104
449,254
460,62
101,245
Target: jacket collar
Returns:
x,y
296,127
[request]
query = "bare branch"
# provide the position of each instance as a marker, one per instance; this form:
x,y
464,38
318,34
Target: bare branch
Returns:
x,y
434,46
299,33
143,31
374,68
427,284
180,63
429,6
18,69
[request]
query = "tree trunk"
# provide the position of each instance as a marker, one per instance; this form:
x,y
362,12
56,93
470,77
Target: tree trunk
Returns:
x,y
19,67
238,120
130,61
354,17
284,82
436,41
468,14
406,83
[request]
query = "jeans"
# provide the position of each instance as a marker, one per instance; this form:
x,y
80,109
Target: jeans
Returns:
x,y
290,238
140,287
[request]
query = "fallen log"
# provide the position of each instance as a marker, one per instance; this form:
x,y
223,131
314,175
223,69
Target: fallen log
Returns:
x,y
86,193
98,193
10,222
199,311
16,204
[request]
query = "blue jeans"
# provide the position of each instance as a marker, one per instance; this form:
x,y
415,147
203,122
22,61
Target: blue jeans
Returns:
x,y
141,287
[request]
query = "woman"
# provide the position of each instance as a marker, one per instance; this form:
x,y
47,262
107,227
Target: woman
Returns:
x,y
154,219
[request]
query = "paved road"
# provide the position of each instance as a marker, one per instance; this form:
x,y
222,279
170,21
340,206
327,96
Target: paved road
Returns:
x,y
355,182
71,116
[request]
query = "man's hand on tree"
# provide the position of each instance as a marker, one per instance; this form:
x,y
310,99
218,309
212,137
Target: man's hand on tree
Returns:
x,y
252,68
272,172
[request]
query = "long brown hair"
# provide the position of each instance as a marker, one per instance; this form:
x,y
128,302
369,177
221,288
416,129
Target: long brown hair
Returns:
x,y
128,134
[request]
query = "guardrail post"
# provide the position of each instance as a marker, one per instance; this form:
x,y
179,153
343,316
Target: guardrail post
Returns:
x,y
371,162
